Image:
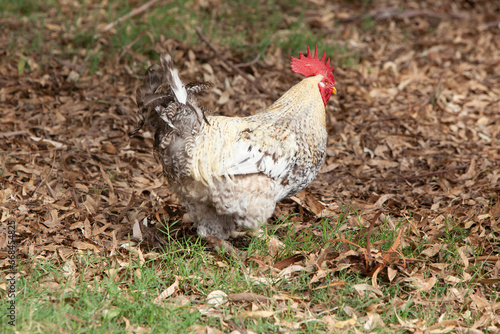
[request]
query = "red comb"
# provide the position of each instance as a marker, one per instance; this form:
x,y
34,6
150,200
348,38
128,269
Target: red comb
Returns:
x,y
311,65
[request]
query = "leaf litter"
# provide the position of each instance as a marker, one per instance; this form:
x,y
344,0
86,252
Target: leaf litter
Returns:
x,y
413,145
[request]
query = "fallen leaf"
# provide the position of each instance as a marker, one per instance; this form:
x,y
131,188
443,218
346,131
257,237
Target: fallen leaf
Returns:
x,y
335,325
288,271
217,298
167,292
257,314
363,288
423,284
247,297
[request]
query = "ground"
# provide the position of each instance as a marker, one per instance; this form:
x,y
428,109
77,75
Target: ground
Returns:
x,y
399,233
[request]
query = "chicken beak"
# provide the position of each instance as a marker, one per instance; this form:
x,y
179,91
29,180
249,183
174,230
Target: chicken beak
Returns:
x,y
334,91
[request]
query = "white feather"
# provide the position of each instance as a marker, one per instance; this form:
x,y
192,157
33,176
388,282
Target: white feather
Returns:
x,y
248,159
178,87
173,78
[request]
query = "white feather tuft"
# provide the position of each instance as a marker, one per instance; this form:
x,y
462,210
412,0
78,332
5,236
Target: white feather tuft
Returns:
x,y
178,87
173,78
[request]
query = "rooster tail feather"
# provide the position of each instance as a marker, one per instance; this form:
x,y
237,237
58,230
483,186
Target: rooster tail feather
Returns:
x,y
172,76
197,87
150,83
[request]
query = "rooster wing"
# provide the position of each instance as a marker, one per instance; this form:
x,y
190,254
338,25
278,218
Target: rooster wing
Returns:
x,y
232,147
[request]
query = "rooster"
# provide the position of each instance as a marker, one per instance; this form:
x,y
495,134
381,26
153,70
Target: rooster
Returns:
x,y
231,171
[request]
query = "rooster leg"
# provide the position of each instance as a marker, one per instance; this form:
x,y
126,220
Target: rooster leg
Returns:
x,y
210,223
220,228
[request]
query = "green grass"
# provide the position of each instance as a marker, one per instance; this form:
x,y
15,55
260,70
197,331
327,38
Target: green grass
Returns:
x,y
95,300
74,30
94,293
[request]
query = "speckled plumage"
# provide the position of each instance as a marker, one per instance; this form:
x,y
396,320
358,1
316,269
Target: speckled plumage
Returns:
x,y
230,171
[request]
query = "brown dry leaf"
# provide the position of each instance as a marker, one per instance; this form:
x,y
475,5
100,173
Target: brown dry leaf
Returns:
x,y
432,250
450,325
51,286
167,292
69,268
318,276
363,288
414,128
111,272
384,198
423,284
289,271
464,258
336,325
112,195
138,252
217,298
374,276
109,148
82,245
373,320
486,318
471,171
405,323
391,273
200,329
480,303
136,231
332,284
274,244
288,261
309,202
248,297
495,211
257,314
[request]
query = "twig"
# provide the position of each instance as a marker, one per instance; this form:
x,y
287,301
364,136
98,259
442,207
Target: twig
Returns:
x,y
134,12
494,24
486,258
248,296
13,134
236,327
323,255
77,206
129,46
128,207
344,240
51,192
250,63
45,180
387,256
255,83
368,236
